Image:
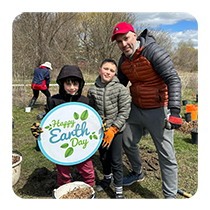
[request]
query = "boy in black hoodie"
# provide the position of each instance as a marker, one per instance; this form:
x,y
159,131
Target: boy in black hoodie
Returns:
x,y
71,82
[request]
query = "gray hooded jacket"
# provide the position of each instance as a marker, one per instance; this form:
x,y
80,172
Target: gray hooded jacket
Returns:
x,y
110,100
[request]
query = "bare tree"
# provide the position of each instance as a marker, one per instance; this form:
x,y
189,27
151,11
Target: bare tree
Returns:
x,y
161,36
40,37
69,38
94,31
185,57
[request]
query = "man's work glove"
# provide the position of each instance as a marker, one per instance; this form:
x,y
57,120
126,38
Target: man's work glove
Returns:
x,y
174,121
36,130
108,137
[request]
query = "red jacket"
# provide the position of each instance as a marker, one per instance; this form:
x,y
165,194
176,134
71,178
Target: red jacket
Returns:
x,y
148,89
41,78
155,82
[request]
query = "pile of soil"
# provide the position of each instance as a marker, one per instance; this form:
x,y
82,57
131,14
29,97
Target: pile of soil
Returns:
x,y
78,193
186,127
15,159
42,182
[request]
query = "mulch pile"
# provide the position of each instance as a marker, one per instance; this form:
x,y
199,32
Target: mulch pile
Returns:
x,y
15,159
78,193
186,127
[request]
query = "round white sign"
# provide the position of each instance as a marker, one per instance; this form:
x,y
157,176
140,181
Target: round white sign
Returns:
x,y
72,132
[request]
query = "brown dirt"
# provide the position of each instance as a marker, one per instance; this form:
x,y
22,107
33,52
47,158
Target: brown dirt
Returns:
x,y
41,182
150,162
149,157
46,180
41,107
186,127
79,193
15,159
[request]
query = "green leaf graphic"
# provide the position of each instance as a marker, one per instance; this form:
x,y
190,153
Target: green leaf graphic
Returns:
x,y
64,145
46,127
95,137
76,116
90,137
84,115
69,152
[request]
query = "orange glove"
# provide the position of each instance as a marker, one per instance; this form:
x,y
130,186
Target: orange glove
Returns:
x,y
108,137
36,130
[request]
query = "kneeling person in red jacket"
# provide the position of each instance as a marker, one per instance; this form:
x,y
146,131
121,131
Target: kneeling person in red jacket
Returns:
x,y
41,82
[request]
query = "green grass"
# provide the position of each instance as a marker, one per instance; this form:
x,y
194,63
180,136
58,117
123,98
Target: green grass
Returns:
x,y
31,186
23,141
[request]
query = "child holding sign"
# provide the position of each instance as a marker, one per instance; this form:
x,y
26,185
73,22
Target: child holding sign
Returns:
x,y
71,82
112,101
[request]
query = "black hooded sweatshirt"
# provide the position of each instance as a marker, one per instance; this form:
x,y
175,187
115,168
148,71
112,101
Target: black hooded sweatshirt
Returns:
x,y
63,97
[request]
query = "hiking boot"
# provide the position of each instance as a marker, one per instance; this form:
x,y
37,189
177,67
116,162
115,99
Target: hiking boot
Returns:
x,y
119,196
104,184
132,177
33,100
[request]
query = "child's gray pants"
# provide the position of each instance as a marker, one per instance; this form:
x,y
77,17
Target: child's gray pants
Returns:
x,y
152,120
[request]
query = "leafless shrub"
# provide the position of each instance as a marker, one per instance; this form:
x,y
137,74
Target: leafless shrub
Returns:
x,y
189,81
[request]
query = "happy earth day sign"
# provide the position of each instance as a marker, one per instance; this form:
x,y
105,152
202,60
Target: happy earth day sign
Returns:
x,y
72,133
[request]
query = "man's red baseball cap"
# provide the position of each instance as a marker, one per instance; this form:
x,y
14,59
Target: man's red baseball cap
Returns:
x,y
122,28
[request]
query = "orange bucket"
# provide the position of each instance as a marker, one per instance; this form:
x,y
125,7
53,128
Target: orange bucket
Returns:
x,y
193,109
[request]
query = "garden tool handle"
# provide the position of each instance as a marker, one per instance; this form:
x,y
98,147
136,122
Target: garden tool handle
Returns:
x,y
184,193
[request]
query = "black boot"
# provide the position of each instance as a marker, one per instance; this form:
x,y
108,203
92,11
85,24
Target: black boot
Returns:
x,y
104,184
33,100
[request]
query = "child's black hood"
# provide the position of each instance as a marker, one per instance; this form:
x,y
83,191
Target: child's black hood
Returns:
x,y
70,71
